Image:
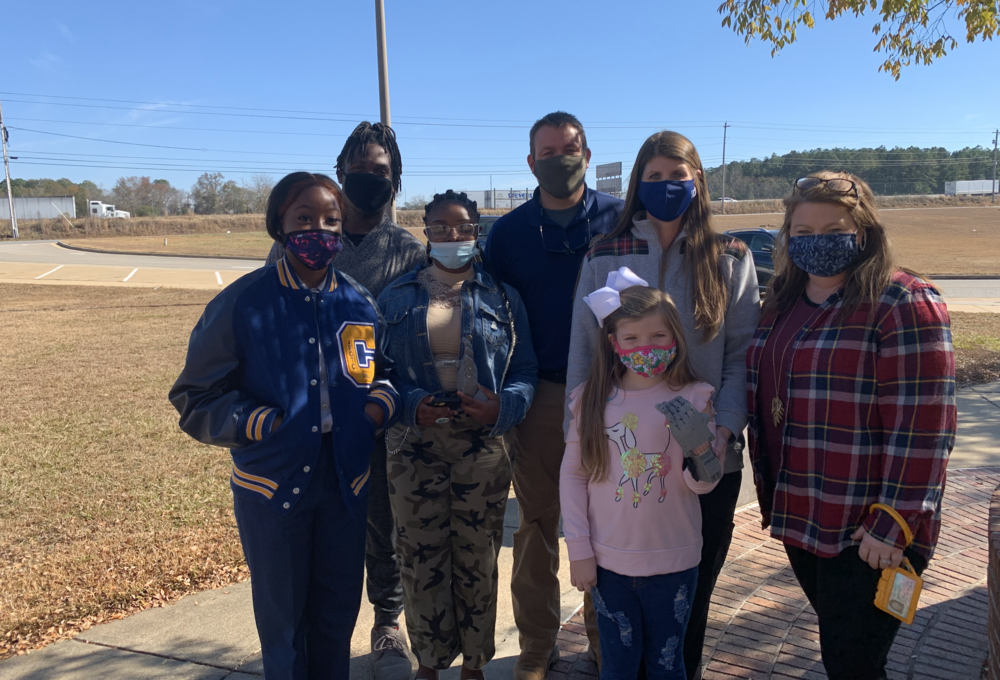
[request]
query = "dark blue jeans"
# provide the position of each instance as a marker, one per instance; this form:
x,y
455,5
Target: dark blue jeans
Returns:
x,y
643,619
306,570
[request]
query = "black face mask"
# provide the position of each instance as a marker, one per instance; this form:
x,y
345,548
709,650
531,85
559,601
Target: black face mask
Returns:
x,y
366,191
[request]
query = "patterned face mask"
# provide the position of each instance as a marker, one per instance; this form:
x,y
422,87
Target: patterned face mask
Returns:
x,y
314,249
649,361
823,254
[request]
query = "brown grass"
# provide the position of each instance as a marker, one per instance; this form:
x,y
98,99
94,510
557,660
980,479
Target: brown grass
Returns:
x,y
138,226
248,244
200,224
977,347
932,242
885,202
106,507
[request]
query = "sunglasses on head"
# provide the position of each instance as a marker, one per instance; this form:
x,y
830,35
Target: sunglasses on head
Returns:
x,y
837,185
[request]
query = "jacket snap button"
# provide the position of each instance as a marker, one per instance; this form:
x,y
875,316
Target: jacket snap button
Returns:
x,y
306,468
286,506
312,341
307,298
295,490
315,429
313,383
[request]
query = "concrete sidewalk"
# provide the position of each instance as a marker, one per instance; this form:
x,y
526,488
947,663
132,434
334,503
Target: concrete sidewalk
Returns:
x,y
211,635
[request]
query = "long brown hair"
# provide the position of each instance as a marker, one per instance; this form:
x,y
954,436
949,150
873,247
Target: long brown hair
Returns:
x,y
607,371
867,276
701,255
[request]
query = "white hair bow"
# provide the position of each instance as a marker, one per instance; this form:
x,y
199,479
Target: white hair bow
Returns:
x,y
604,301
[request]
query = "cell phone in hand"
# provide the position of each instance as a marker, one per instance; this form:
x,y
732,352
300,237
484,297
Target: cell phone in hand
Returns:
x,y
447,402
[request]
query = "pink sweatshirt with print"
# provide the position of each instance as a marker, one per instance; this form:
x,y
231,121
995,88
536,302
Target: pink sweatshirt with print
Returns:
x,y
645,518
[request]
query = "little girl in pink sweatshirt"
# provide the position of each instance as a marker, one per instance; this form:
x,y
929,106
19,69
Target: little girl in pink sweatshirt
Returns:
x,y
627,485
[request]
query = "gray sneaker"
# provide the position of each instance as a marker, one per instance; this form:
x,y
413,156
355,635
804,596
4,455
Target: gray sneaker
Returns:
x,y
390,654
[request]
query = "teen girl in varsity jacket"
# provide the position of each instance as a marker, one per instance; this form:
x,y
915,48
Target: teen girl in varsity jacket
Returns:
x,y
286,369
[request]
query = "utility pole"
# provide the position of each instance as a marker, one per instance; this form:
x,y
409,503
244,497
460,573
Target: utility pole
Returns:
x,y
6,170
725,129
993,196
383,80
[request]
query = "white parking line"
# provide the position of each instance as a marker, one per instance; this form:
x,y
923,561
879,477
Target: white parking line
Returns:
x,y
218,277
130,275
47,273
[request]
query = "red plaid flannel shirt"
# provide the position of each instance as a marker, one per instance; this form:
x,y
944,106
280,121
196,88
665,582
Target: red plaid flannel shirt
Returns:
x,y
870,418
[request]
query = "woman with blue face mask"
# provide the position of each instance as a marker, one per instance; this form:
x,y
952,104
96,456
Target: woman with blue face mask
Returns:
x,y
467,374
851,395
665,236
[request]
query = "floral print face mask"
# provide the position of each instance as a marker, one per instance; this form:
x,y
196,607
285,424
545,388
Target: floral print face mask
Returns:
x,y
649,361
823,254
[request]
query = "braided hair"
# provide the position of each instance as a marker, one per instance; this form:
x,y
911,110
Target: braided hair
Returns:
x,y
450,196
372,133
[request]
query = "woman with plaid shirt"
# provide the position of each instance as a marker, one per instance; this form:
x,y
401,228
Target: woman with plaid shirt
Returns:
x,y
851,395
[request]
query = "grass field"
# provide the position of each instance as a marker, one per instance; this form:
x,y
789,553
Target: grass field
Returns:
x,y
931,241
248,244
106,507
206,224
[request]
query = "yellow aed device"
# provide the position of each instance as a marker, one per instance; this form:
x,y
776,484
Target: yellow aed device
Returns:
x,y
899,588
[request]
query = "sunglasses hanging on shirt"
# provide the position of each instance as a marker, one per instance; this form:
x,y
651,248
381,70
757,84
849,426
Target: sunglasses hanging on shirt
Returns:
x,y
569,241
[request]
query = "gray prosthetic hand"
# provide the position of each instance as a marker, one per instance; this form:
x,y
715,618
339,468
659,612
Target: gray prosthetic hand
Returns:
x,y
689,427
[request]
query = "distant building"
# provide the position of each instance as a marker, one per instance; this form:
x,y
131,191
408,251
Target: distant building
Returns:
x,y
39,207
501,199
976,187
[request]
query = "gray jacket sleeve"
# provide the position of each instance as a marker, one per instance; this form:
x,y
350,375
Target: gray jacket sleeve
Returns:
x,y
583,332
742,314
277,252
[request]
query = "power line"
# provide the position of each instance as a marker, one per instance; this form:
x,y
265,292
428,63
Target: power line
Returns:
x,y
319,113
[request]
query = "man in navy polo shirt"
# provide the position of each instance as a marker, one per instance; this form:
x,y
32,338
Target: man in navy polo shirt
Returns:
x,y
538,248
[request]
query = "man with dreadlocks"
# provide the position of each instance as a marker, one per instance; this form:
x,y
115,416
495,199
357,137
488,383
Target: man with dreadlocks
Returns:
x,y
376,252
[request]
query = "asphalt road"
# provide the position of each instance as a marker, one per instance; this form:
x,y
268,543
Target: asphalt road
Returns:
x,y
34,261
45,262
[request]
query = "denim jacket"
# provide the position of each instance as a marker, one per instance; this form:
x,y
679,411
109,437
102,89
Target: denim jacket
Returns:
x,y
488,327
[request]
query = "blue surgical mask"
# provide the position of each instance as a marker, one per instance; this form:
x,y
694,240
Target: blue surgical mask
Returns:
x,y
669,199
453,254
823,254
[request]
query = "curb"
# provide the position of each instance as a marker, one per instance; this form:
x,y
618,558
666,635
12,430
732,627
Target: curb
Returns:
x,y
128,252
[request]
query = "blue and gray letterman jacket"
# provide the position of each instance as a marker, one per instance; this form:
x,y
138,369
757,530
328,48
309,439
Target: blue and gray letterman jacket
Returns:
x,y
255,355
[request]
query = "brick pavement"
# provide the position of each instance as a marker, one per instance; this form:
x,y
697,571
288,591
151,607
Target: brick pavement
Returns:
x,y
762,627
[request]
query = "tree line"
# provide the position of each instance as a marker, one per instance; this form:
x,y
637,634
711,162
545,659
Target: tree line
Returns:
x,y
211,194
911,170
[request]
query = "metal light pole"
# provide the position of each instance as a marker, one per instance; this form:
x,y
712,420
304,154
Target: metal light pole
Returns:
x,y
725,129
993,192
6,170
383,80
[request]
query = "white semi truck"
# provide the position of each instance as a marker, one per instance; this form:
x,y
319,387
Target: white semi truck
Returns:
x,y
98,209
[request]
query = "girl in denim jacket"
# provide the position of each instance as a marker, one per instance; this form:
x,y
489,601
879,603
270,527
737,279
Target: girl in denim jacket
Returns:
x,y
466,376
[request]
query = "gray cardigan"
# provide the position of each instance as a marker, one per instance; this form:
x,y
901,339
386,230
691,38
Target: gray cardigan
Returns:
x,y
721,361
386,253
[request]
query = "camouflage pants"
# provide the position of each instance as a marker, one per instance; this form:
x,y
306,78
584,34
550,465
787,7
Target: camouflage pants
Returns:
x,y
448,491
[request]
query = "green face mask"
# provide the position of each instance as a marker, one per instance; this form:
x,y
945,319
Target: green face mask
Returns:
x,y
561,175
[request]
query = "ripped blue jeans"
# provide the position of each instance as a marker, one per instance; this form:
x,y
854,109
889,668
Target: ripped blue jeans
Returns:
x,y
643,618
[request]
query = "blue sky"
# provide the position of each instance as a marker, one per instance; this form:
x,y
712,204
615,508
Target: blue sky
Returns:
x,y
467,79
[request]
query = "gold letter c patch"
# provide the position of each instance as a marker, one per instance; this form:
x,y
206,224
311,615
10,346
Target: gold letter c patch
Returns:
x,y
357,352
